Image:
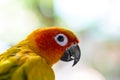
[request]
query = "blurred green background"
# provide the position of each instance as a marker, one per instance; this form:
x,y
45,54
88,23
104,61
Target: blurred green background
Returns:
x,y
95,22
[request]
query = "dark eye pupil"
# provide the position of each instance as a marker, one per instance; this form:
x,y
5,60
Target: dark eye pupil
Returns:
x,y
60,38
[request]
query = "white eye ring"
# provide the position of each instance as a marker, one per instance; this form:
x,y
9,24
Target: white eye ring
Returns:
x,y
61,39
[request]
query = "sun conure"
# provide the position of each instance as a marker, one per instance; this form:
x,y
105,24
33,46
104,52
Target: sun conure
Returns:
x,y
33,57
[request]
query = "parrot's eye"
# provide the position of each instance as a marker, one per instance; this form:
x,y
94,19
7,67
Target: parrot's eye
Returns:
x,y
61,39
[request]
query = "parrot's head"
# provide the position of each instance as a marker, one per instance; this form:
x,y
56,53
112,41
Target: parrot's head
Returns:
x,y
55,43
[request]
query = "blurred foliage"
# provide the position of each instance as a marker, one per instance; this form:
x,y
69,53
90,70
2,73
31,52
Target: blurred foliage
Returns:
x,y
43,9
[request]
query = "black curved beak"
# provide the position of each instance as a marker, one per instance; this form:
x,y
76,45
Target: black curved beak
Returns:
x,y
72,53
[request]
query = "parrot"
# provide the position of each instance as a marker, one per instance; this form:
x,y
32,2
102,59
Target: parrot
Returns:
x,y
33,57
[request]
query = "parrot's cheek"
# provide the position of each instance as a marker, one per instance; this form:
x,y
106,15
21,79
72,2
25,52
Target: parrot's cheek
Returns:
x,y
72,53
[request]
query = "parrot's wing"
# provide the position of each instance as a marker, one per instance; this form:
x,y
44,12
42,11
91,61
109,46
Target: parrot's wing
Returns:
x,y
7,66
25,67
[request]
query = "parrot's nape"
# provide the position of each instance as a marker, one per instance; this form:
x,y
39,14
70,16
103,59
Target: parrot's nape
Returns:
x,y
33,57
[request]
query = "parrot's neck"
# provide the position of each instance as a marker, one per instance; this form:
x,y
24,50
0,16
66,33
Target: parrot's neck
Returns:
x,y
39,52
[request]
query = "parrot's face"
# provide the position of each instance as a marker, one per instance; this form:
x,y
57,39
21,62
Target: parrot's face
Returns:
x,y
55,43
